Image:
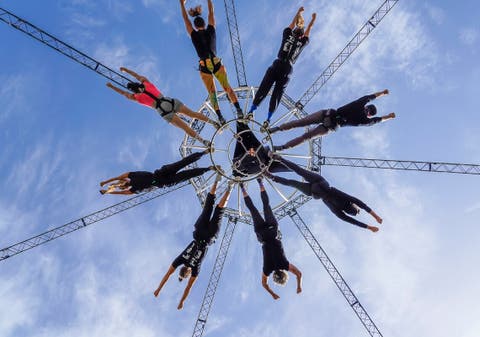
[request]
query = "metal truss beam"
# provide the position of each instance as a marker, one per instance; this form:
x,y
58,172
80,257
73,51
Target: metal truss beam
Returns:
x,y
84,222
335,274
60,46
346,52
405,165
214,277
235,42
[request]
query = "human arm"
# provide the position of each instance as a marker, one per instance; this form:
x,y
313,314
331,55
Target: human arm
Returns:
x,y
310,25
186,20
295,18
294,270
138,77
391,115
127,94
164,280
339,213
211,14
267,287
120,192
381,93
190,283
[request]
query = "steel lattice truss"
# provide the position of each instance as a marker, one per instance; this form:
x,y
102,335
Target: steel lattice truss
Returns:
x,y
233,216
236,46
60,46
335,274
215,276
346,52
404,165
84,222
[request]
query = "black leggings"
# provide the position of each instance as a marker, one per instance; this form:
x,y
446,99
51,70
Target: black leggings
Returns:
x,y
169,175
258,222
207,228
278,73
314,181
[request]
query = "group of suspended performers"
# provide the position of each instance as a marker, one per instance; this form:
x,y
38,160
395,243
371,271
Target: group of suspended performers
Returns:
x,y
250,156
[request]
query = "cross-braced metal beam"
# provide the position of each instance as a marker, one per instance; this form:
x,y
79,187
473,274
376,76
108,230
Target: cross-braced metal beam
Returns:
x,y
405,165
84,222
214,277
335,274
235,42
346,52
62,47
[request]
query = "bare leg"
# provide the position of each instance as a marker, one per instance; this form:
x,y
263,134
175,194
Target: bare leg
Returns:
x,y
176,121
120,177
184,110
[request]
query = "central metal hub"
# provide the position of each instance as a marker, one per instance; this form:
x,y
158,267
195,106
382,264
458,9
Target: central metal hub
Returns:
x,y
241,149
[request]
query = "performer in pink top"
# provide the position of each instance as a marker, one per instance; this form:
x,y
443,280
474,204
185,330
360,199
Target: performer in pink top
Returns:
x,y
144,92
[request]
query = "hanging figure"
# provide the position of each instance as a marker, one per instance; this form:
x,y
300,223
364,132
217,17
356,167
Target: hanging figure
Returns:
x,y
205,42
250,156
317,187
205,232
268,234
147,94
168,175
293,41
356,113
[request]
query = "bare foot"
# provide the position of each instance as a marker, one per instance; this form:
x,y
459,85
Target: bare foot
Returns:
x,y
373,228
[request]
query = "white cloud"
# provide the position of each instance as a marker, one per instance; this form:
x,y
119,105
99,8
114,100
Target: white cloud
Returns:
x,y
469,36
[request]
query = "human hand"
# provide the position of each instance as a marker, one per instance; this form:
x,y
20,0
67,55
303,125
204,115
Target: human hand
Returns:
x,y
392,115
314,16
385,92
180,306
275,296
301,9
373,228
299,290
123,69
379,219
110,85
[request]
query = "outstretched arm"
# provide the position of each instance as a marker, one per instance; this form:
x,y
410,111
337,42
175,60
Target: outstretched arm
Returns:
x,y
310,25
127,94
117,192
164,280
138,77
211,14
190,283
295,18
186,20
267,287
293,269
391,115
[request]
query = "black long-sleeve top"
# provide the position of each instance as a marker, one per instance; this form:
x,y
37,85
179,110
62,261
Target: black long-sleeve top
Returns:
x,y
337,201
353,113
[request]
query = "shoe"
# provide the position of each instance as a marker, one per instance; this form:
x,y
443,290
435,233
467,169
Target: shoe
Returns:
x,y
274,129
215,125
278,148
102,191
221,119
264,126
249,116
206,143
240,114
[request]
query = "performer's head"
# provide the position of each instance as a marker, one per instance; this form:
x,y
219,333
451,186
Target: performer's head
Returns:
x,y
371,110
298,32
351,209
184,273
136,87
251,152
196,13
280,277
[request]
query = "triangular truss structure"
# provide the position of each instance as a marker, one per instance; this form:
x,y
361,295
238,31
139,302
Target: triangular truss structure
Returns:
x,y
233,216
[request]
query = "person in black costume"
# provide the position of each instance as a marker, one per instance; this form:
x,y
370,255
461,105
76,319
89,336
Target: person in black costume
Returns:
x,y
205,232
268,234
294,39
250,156
168,175
317,187
355,113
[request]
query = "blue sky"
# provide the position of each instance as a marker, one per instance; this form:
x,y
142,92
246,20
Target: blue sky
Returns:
x,y
62,131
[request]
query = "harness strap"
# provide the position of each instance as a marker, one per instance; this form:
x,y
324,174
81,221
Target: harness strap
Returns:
x,y
158,102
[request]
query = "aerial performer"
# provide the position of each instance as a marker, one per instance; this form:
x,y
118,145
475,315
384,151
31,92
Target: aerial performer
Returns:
x,y
168,175
270,237
147,94
355,113
250,156
205,232
205,42
294,39
317,187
